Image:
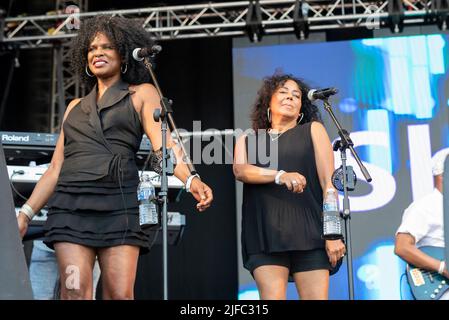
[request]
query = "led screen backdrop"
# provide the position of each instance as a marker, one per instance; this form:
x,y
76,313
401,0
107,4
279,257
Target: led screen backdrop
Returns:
x,y
393,98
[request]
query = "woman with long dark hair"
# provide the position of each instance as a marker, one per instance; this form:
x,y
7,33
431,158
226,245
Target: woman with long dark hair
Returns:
x,y
283,197
91,183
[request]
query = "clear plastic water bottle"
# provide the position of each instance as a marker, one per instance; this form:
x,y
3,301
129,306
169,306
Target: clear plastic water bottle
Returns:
x,y
331,216
146,195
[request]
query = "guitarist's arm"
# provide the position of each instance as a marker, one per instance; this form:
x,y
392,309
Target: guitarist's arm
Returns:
x,y
405,248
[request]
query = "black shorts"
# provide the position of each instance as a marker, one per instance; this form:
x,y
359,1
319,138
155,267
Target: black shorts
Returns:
x,y
295,261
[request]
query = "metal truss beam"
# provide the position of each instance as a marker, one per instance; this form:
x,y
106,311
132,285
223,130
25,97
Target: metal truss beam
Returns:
x,y
65,84
220,19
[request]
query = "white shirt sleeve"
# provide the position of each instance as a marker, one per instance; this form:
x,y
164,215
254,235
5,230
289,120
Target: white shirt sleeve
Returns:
x,y
415,222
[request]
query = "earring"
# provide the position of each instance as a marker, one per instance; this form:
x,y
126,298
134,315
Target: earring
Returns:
x,y
126,68
269,115
87,72
301,115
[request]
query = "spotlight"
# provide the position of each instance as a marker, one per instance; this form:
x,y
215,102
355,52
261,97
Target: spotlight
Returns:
x,y
254,27
441,10
15,50
395,15
300,23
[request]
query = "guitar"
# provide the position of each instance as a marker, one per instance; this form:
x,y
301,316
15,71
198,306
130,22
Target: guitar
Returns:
x,y
427,285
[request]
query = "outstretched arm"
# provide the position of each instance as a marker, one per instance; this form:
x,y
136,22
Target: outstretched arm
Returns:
x,y
150,100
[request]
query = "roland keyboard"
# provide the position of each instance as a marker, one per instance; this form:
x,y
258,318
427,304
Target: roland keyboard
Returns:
x,y
26,174
23,147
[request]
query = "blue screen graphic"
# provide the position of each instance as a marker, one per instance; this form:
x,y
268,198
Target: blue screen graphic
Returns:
x,y
393,98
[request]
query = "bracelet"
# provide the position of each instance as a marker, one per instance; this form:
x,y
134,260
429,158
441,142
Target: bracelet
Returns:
x,y
189,180
278,176
442,267
28,211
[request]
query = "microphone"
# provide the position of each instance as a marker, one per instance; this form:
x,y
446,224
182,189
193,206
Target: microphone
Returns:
x,y
140,53
321,94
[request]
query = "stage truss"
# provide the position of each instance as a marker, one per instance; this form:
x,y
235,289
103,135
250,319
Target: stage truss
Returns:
x,y
241,18
223,19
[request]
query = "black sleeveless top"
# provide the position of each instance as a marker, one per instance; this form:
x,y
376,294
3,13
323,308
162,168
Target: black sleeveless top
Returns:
x,y
100,142
275,219
95,199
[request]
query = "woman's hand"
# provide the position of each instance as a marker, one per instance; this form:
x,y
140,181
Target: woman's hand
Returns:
x,y
22,221
202,193
336,250
294,181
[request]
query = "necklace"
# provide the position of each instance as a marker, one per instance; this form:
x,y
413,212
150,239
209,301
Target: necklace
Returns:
x,y
278,135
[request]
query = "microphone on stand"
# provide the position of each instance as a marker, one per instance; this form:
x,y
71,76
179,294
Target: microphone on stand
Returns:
x,y
321,94
140,53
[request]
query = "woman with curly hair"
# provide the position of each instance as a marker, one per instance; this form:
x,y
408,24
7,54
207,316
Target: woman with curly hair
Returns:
x,y
282,197
91,183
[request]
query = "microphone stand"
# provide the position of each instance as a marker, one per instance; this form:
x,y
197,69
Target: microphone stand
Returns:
x,y
165,115
344,143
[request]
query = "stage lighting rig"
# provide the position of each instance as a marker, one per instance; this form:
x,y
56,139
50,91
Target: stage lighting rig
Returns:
x,y
441,13
254,28
395,16
300,22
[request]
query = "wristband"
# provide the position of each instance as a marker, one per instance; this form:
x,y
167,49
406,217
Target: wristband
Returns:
x,y
278,176
189,181
28,211
442,267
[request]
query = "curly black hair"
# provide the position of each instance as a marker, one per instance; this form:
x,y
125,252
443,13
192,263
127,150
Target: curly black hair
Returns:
x,y
125,35
270,84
